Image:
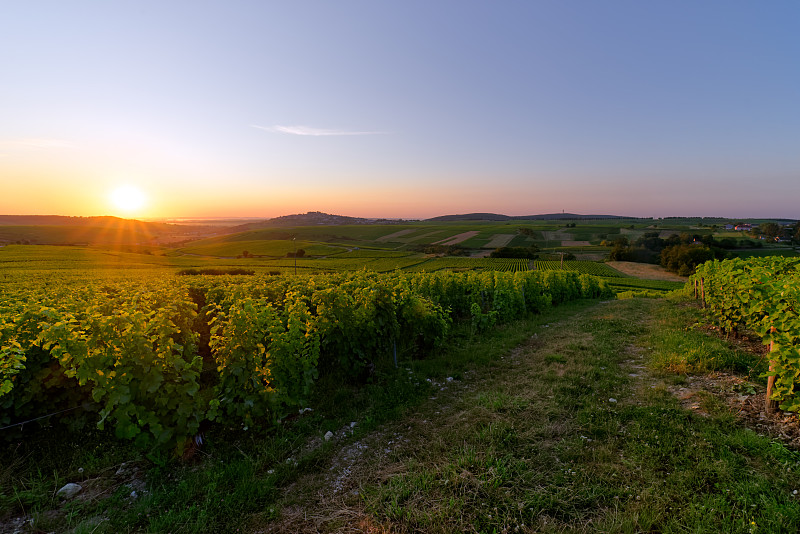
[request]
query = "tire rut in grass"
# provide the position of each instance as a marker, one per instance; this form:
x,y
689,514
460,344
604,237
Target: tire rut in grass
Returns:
x,y
560,437
495,437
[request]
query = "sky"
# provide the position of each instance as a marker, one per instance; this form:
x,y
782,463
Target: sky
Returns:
x,y
407,109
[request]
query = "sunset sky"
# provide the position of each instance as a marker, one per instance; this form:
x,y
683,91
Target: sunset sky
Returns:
x,y
400,109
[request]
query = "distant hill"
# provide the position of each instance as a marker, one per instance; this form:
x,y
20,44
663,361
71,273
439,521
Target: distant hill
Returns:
x,y
471,217
500,217
574,216
312,218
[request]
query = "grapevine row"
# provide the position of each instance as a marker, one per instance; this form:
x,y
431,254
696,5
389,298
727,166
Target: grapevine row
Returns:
x,y
159,360
585,267
761,295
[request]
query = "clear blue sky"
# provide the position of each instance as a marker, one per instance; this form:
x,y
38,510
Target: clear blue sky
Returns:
x,y
401,109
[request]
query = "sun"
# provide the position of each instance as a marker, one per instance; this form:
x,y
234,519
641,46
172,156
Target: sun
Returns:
x,y
128,199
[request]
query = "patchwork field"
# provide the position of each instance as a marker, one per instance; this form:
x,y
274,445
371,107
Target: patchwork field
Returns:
x,y
557,236
394,236
499,240
645,270
456,239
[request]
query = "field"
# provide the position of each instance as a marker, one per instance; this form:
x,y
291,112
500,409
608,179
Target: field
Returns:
x,y
644,270
377,247
585,267
268,248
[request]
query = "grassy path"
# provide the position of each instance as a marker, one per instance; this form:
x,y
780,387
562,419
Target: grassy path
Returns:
x,y
569,432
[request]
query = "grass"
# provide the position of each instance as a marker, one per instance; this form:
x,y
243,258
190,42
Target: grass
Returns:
x,y
623,284
566,441
272,248
691,350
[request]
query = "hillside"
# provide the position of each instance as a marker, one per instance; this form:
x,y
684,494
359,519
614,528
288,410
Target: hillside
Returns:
x,y
313,218
543,217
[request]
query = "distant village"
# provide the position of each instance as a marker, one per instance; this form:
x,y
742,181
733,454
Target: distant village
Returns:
x,y
747,227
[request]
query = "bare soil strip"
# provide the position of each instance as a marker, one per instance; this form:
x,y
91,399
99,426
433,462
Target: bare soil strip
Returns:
x,y
423,236
481,253
590,257
575,244
633,233
645,270
557,236
392,237
499,240
456,239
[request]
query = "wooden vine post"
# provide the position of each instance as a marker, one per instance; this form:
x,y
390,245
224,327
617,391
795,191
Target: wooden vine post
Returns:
x,y
771,406
703,291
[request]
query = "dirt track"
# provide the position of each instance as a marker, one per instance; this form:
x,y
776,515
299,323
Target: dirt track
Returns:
x,y
456,239
645,270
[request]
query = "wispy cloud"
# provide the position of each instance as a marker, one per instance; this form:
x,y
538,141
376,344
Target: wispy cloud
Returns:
x,y
306,130
32,144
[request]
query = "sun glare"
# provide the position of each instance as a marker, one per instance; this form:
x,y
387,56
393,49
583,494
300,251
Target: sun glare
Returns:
x,y
128,199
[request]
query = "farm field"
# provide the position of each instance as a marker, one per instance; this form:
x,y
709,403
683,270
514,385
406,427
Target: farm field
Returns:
x,y
269,248
469,264
582,238
644,270
585,267
23,259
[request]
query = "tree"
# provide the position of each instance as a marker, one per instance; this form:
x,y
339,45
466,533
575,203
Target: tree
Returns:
x,y
621,251
530,253
684,258
770,229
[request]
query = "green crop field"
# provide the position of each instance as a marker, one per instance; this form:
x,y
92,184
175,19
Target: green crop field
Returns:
x,y
273,248
625,284
470,264
585,267
765,252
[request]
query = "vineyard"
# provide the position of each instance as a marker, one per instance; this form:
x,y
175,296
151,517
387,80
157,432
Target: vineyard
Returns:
x,y
760,295
584,267
158,359
469,264
513,265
